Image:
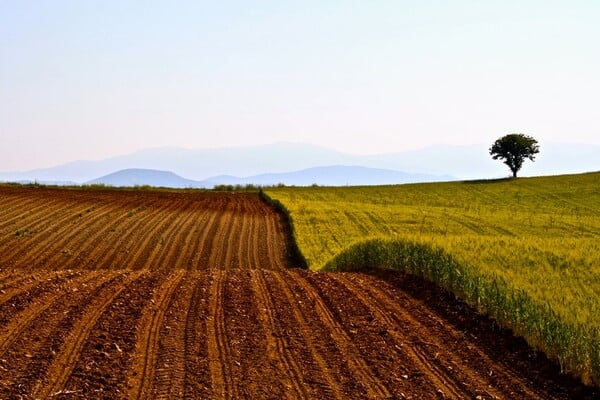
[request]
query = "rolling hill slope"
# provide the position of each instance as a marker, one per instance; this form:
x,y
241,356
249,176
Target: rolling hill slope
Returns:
x,y
182,294
525,250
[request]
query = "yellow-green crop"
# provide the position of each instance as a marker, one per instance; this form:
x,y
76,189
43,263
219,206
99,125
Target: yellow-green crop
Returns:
x,y
537,239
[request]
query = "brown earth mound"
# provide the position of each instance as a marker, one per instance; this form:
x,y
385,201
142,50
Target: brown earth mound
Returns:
x,y
212,313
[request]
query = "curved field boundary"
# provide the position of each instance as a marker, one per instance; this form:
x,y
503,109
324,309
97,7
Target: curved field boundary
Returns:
x,y
294,251
576,348
442,375
377,298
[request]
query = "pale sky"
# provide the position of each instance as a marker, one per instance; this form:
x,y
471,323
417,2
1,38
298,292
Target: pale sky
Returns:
x,y
91,79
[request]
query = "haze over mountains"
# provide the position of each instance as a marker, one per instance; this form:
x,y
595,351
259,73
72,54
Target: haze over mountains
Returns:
x,y
328,176
302,164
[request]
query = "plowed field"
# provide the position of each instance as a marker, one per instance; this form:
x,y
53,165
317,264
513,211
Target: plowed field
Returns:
x,y
140,294
103,229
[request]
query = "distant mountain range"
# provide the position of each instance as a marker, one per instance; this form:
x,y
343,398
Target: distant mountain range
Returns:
x,y
326,176
302,164
142,177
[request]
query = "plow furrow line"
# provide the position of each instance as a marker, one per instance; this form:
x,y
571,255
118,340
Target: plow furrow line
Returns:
x,y
194,247
244,252
180,231
400,314
104,360
271,254
169,375
187,256
145,354
219,353
197,371
39,304
253,243
131,228
231,242
8,277
31,207
277,346
17,299
63,233
23,283
357,364
407,341
54,228
91,245
304,328
164,227
218,243
27,208
11,202
276,253
59,371
96,225
31,353
206,240
184,254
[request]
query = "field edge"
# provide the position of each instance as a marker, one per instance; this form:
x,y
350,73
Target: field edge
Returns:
x,y
491,295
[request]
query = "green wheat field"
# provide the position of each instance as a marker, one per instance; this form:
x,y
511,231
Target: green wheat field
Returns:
x,y
526,251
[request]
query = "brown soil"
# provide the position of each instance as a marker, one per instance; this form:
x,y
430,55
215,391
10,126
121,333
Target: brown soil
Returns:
x,y
210,312
61,229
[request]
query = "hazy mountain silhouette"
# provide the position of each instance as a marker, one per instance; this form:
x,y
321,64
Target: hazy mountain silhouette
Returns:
x,y
327,176
337,175
141,177
461,162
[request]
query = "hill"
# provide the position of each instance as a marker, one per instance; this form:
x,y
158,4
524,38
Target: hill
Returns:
x,y
336,175
123,294
143,177
324,176
524,250
461,162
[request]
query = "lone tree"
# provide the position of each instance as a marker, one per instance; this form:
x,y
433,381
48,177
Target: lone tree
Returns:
x,y
514,149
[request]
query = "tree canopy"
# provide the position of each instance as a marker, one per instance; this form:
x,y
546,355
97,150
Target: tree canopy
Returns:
x,y
514,149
